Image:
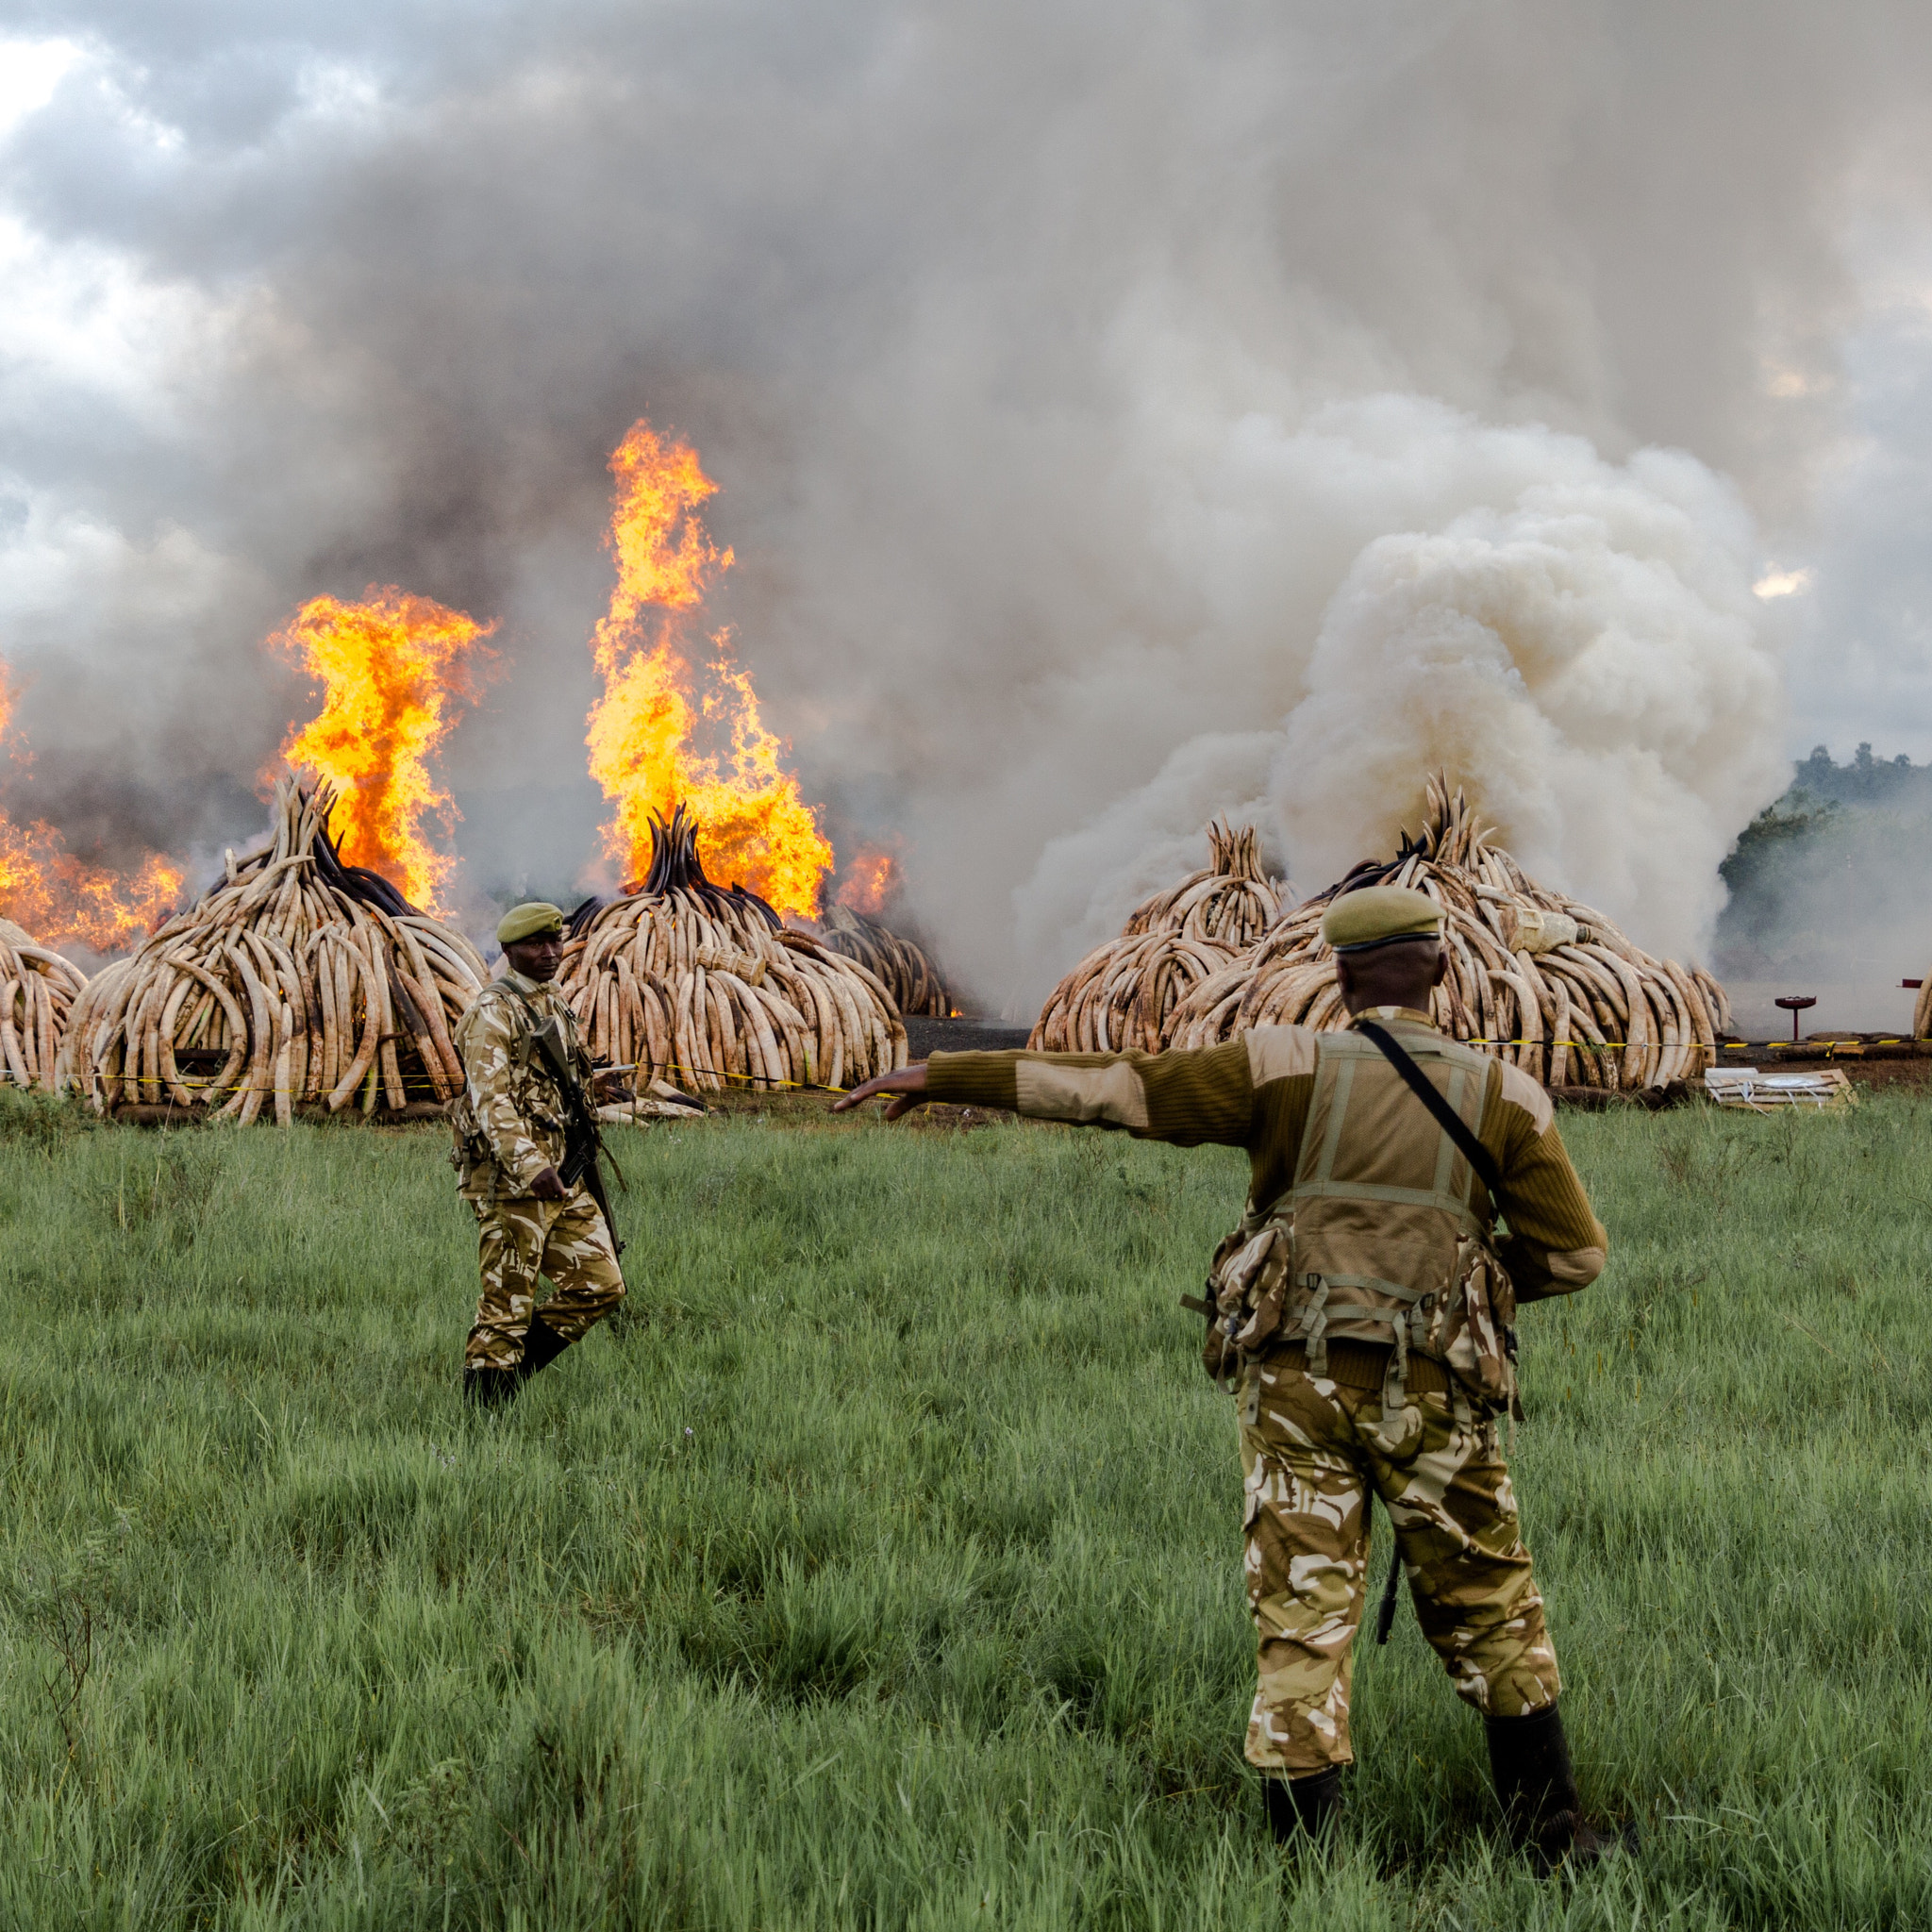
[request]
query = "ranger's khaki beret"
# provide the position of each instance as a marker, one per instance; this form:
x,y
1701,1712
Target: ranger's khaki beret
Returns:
x,y
1380,916
525,922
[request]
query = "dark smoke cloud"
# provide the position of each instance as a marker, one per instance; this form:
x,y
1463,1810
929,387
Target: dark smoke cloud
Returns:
x,y
986,319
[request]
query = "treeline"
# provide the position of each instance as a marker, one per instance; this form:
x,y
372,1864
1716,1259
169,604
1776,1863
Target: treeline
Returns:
x,y
1893,782
1825,880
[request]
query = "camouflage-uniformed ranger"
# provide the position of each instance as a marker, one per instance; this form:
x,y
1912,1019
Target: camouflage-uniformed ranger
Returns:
x,y
1362,1312
511,1126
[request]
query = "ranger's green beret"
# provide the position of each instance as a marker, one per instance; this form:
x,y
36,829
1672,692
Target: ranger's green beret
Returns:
x,y
525,922
1380,916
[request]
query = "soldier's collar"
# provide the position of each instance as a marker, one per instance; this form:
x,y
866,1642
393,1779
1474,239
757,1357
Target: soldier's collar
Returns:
x,y
525,987
1387,1014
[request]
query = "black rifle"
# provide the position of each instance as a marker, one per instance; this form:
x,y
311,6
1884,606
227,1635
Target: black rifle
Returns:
x,y
583,1141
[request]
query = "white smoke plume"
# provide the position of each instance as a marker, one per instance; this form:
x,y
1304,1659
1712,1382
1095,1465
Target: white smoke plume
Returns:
x,y
1085,389
1087,882
1576,642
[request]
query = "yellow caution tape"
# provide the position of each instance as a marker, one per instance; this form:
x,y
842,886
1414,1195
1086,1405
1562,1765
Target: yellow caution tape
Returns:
x,y
760,1081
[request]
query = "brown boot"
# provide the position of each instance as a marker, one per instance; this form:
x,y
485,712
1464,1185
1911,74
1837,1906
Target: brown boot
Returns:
x,y
1529,1760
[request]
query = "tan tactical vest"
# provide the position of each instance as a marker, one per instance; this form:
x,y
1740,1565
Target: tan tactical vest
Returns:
x,y
1378,1239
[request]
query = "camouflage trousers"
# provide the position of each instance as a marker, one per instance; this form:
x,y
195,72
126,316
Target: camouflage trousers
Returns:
x,y
1311,1451
522,1238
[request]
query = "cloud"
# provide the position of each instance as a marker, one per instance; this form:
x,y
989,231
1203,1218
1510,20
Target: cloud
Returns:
x,y
1059,369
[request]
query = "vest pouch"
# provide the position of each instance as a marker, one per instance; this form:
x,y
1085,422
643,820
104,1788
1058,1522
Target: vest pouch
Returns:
x,y
1471,1326
469,1151
1261,1327
1247,1283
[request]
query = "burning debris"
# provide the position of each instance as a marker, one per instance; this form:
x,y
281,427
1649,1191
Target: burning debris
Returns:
x,y
899,964
393,669
47,889
38,989
1125,993
707,986
1545,982
853,925
644,730
297,982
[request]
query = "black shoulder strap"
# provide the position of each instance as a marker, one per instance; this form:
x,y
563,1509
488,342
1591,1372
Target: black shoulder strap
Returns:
x,y
1447,1118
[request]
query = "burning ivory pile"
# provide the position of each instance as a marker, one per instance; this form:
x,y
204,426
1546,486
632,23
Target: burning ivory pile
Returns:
x,y
705,987
1125,993
899,964
1542,980
298,981
38,989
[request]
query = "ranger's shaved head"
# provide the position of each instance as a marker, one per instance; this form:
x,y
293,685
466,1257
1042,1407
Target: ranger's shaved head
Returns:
x,y
1399,974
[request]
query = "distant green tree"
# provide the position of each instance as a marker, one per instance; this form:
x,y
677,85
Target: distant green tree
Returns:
x,y
1817,883
1866,780
1776,851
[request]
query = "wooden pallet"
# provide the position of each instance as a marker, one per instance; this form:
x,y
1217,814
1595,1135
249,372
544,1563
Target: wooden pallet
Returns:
x,y
1760,1092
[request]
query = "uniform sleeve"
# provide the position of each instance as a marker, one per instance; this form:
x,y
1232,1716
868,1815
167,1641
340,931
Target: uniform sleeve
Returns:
x,y
1555,1244
1188,1098
489,1058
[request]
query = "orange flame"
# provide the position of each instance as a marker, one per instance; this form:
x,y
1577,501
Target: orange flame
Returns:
x,y
62,900
757,831
392,668
872,877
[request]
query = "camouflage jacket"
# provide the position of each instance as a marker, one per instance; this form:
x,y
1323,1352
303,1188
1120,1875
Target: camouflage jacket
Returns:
x,y
509,1119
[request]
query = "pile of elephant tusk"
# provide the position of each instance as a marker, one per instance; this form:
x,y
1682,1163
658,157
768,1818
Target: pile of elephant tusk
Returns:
x,y
38,989
707,988
1540,979
297,982
900,965
1127,992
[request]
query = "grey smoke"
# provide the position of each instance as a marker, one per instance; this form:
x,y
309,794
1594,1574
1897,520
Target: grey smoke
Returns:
x,y
1010,332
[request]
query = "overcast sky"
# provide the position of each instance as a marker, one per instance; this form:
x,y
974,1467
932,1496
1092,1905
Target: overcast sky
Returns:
x,y
1017,336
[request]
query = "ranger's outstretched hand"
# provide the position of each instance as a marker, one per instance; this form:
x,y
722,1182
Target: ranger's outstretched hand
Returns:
x,y
907,1088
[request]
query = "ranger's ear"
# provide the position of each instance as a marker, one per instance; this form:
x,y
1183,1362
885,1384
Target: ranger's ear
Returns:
x,y
1441,972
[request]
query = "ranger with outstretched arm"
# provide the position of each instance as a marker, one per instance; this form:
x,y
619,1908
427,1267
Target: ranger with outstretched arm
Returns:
x,y
526,1156
1363,1312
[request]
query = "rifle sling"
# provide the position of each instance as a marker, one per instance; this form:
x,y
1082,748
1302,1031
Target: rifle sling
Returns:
x,y
590,1142
1452,1123
1486,1170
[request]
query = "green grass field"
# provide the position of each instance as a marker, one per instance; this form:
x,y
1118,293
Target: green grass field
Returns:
x,y
879,1565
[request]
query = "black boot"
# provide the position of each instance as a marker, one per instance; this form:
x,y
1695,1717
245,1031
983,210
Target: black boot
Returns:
x,y
541,1346
488,1388
1299,1807
1529,1760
